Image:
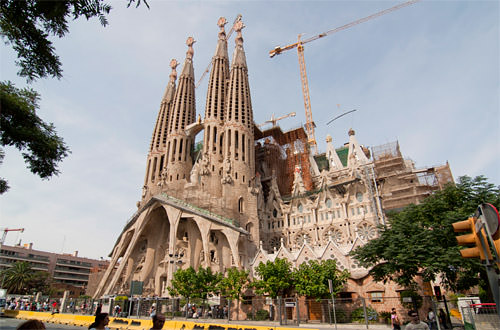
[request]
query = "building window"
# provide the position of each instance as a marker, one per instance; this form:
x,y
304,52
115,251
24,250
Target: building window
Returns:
x,y
376,296
328,203
300,208
359,196
240,205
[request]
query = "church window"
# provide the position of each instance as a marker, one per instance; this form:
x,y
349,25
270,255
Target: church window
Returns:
x,y
309,218
275,213
352,211
243,179
321,216
328,203
268,225
243,147
236,175
359,210
180,148
359,197
240,204
288,222
338,213
177,177
154,170
300,208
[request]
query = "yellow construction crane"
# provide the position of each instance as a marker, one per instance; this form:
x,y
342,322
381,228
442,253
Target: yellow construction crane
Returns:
x,y
274,120
302,64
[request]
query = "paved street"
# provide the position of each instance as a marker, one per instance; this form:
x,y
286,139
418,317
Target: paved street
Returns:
x,y
11,324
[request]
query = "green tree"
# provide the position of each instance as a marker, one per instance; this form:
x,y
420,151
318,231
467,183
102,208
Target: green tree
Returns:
x,y
233,285
311,278
40,282
206,282
420,239
184,283
274,278
21,128
27,26
17,278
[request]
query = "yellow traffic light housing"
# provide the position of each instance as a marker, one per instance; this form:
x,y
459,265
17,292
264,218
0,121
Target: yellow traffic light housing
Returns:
x,y
471,239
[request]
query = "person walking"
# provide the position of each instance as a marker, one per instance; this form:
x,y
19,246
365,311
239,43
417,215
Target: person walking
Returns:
x,y
431,318
415,323
396,324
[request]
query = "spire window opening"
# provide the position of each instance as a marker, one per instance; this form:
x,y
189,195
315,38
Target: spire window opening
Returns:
x,y
236,140
214,140
154,170
181,142
240,205
243,147
174,150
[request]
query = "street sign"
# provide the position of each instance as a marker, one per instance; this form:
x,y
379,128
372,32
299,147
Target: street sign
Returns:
x,y
289,303
488,215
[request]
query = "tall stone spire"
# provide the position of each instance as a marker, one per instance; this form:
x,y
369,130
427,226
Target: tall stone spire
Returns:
x,y
214,112
179,144
238,170
157,148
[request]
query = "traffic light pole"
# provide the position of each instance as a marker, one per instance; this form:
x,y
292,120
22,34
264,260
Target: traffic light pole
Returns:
x,y
493,277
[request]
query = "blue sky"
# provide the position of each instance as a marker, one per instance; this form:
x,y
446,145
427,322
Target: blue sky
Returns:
x,y
426,75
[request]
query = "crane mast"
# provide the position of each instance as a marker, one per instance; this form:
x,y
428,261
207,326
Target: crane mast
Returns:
x,y
302,64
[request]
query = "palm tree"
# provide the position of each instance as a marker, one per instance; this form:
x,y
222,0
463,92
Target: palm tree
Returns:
x,y
17,278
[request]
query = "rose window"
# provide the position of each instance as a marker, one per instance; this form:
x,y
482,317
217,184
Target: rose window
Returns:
x,y
299,240
366,232
337,236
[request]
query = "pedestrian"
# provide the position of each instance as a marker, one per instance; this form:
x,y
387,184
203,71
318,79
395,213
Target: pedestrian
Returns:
x,y
31,324
117,310
98,310
100,323
431,318
158,321
152,311
396,324
442,318
415,323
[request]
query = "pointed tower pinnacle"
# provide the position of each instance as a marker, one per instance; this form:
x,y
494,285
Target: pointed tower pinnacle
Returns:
x,y
238,170
356,156
214,112
178,160
157,148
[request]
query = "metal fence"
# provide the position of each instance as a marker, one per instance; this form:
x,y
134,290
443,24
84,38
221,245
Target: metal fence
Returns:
x,y
480,317
284,311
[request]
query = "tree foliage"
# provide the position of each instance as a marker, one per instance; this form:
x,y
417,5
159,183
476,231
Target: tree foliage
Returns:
x,y
420,239
27,26
233,284
17,278
274,278
311,278
190,283
22,128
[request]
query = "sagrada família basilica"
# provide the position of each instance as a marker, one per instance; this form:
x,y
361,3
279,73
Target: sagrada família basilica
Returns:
x,y
248,195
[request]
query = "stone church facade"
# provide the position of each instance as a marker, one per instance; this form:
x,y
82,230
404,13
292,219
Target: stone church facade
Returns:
x,y
249,195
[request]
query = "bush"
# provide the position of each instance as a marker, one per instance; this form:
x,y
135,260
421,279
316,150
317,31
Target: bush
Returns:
x,y
262,315
358,315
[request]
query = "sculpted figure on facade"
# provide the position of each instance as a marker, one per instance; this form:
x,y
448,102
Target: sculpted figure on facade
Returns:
x,y
205,164
227,171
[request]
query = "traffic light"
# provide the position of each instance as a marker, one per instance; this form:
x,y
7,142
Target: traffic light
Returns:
x,y
471,239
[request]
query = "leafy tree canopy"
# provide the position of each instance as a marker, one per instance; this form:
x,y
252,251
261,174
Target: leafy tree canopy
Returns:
x,y
275,278
234,283
27,26
311,278
420,239
22,128
184,283
17,278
